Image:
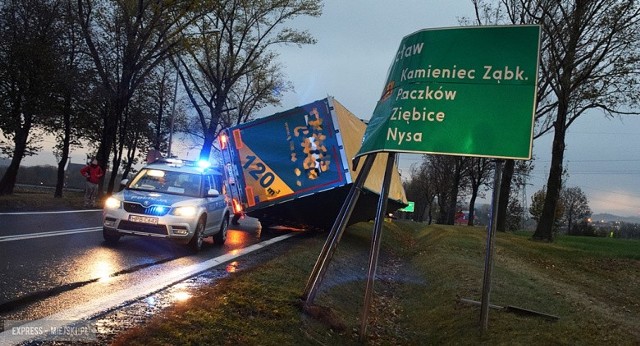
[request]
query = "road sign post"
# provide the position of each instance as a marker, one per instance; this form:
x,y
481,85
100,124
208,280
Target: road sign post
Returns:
x,y
376,239
321,265
490,249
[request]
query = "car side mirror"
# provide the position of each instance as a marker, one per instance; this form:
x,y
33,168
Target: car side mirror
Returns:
x,y
123,184
213,193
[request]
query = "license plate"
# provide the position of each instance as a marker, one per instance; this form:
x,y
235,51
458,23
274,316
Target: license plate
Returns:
x,y
143,219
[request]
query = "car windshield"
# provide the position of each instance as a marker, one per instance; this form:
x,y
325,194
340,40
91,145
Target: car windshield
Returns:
x,y
167,182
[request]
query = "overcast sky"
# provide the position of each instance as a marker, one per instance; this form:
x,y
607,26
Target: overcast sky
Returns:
x,y
356,42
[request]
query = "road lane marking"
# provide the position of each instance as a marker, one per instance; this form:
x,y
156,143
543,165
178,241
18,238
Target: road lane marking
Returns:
x,y
48,234
108,302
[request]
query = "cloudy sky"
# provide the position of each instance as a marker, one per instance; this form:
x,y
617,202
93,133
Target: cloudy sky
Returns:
x,y
356,42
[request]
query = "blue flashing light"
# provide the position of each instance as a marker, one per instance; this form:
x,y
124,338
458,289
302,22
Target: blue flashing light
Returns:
x,y
204,164
157,210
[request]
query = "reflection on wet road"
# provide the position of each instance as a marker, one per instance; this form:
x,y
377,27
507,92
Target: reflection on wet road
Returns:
x,y
43,275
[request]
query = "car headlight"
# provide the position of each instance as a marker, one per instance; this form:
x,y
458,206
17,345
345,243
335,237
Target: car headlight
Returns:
x,y
185,211
112,203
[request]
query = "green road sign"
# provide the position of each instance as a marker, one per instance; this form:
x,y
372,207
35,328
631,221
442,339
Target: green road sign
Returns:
x,y
409,208
459,91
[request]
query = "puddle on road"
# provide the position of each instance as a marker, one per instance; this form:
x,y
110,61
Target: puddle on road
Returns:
x,y
232,267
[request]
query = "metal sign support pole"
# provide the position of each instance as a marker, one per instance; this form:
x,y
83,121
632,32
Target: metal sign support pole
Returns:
x,y
490,249
375,243
320,268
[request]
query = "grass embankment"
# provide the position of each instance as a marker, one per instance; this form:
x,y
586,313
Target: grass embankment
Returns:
x,y
592,284
40,199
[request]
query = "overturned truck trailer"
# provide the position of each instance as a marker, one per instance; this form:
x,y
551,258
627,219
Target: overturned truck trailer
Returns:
x,y
294,168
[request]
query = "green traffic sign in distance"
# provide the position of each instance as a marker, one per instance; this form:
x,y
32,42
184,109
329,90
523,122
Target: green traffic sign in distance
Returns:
x,y
459,91
409,208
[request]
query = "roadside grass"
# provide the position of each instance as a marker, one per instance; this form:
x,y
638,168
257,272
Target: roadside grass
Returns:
x,y
39,199
591,284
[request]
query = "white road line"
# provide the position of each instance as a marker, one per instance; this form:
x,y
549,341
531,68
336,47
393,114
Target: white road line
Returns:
x,y
107,302
48,234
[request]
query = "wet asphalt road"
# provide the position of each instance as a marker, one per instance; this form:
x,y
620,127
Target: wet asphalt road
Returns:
x,y
55,261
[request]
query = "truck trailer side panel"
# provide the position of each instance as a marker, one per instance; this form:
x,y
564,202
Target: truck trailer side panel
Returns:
x,y
292,168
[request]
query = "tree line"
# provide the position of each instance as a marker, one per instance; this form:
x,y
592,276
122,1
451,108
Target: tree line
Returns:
x,y
105,73
442,186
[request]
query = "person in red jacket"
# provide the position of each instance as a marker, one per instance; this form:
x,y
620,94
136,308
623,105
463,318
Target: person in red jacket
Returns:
x,y
93,173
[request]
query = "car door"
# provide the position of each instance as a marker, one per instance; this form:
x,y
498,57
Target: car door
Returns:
x,y
215,205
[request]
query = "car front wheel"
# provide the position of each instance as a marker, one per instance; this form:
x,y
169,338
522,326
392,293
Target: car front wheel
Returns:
x,y
110,237
198,237
220,237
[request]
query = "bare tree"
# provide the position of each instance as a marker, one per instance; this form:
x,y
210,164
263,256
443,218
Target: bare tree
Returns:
x,y
127,40
73,80
479,173
136,128
576,206
421,189
230,69
448,176
504,196
591,60
28,64
459,167
517,172
515,215
537,208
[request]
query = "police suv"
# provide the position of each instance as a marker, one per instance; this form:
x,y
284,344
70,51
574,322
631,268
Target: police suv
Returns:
x,y
180,200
